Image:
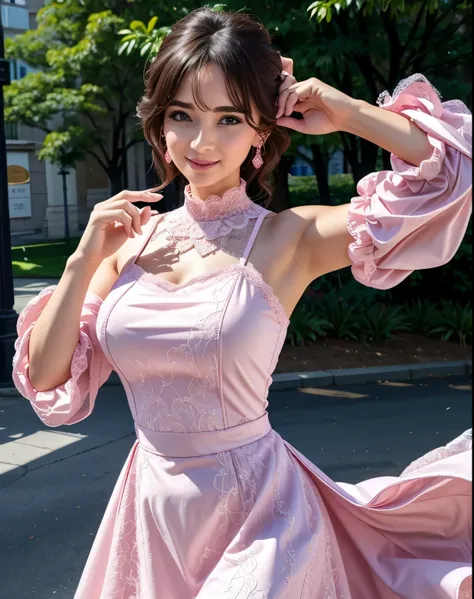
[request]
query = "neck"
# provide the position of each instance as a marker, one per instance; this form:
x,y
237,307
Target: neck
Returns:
x,y
216,189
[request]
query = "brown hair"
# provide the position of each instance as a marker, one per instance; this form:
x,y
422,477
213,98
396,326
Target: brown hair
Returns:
x,y
241,47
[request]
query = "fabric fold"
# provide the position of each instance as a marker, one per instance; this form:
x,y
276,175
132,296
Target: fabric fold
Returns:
x,y
74,400
415,217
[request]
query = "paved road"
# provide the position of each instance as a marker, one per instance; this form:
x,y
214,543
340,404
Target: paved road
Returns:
x,y
52,504
27,289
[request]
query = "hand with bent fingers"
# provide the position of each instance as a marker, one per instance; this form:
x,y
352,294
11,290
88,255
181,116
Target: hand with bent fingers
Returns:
x,y
324,108
112,222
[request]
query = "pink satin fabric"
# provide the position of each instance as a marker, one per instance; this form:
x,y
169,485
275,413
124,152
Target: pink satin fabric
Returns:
x,y
412,217
212,502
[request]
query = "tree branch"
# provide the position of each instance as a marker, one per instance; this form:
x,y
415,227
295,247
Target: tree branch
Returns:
x,y
443,63
419,56
99,140
99,160
395,48
413,31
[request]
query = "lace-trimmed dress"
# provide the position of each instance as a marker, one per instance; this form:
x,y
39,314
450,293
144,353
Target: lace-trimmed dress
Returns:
x,y
212,502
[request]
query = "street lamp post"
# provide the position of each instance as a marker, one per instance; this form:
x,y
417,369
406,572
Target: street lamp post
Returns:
x,y
8,316
64,173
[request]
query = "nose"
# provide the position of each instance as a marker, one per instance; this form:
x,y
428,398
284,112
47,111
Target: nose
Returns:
x,y
203,141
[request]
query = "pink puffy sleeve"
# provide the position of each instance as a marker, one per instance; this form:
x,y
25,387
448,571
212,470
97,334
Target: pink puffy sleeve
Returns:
x,y
415,217
74,400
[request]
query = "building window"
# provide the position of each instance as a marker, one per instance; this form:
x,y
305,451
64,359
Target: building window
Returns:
x,y
18,2
21,71
11,131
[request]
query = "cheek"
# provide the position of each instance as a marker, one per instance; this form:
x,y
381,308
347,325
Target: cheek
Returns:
x,y
173,138
238,142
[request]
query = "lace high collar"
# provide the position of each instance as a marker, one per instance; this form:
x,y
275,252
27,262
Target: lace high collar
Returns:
x,y
207,225
215,207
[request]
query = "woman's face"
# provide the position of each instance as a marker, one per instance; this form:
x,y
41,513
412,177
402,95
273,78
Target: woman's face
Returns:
x,y
220,135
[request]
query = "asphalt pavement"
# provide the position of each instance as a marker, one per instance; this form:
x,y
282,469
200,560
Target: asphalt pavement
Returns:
x,y
55,483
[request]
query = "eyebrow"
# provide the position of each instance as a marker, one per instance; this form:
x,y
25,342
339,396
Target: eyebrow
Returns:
x,y
216,109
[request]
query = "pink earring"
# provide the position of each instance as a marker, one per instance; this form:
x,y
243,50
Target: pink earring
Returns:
x,y
257,160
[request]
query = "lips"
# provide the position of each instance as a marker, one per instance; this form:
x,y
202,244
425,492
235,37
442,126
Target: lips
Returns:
x,y
202,162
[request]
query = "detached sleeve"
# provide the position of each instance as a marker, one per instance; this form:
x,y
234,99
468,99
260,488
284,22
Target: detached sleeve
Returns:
x,y
74,400
414,217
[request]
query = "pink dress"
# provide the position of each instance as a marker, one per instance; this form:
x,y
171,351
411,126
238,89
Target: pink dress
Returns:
x,y
212,502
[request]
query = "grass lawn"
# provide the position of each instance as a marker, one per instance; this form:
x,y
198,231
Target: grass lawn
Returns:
x,y
42,260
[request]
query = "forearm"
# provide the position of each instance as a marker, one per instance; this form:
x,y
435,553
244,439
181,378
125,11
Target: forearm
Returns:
x,y
55,335
390,131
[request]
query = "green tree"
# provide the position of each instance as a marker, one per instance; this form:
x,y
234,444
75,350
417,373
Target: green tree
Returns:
x,y
368,46
79,93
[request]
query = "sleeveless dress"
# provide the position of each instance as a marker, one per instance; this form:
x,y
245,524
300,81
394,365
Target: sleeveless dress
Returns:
x,y
212,502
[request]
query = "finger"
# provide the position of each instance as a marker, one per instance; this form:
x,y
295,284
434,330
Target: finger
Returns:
x,y
146,213
287,81
152,197
291,100
109,217
291,123
132,210
288,99
282,101
287,64
135,196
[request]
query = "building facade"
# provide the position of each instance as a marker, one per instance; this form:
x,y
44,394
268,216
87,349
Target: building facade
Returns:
x,y
37,204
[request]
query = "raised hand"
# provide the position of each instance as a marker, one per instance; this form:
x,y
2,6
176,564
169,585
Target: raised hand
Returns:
x,y
324,108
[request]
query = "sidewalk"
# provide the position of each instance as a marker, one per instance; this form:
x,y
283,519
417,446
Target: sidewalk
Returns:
x,y
25,289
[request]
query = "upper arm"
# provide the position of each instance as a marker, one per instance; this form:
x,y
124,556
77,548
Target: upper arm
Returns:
x,y
104,277
325,239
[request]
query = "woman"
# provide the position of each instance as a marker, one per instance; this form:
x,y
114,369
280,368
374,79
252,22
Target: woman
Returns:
x,y
193,313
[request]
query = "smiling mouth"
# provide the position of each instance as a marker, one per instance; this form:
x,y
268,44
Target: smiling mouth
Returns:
x,y
203,162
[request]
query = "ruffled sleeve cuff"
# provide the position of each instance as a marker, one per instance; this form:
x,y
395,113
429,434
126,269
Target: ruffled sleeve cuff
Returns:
x,y
74,400
415,217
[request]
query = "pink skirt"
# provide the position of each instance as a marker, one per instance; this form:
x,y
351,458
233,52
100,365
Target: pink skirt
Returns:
x,y
241,514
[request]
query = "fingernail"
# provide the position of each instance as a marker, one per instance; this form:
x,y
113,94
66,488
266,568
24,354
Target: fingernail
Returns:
x,y
153,212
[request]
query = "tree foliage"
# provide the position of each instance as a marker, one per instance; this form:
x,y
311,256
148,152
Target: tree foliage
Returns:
x,y
79,93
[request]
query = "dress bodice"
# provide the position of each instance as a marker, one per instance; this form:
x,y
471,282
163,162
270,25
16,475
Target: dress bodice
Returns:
x,y
198,356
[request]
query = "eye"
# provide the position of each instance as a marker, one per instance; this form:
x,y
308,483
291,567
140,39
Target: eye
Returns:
x,y
177,113
232,118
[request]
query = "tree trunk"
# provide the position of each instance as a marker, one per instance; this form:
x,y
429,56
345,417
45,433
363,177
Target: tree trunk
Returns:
x,y
368,162
320,167
115,175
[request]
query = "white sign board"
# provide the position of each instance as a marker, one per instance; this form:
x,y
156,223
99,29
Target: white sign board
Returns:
x,y
19,196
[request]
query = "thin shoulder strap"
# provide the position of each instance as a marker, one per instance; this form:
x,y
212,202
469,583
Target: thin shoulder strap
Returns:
x,y
250,242
147,237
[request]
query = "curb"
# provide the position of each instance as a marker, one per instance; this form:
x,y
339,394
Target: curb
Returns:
x,y
344,376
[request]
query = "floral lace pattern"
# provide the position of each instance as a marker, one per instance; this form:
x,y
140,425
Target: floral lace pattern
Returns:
x,y
461,443
206,236
73,400
122,577
159,403
384,97
216,207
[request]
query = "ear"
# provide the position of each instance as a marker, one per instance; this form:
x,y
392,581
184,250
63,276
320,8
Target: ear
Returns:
x,y
259,139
